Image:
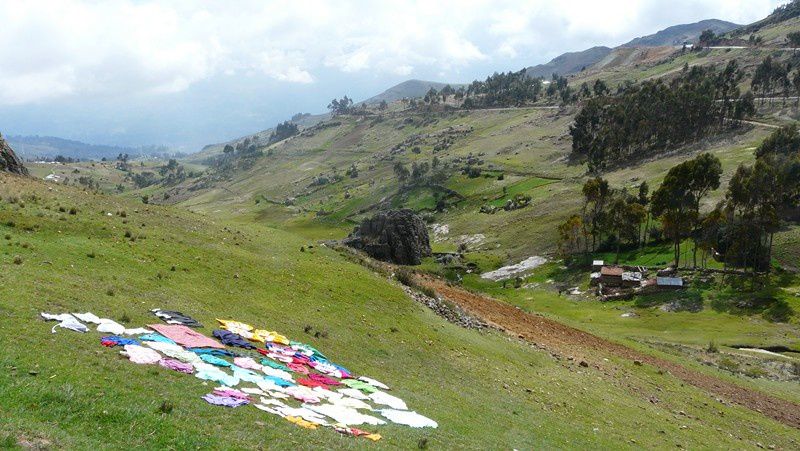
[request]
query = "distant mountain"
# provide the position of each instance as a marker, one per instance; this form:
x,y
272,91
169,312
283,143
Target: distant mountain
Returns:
x,y
681,34
50,146
569,63
574,62
409,89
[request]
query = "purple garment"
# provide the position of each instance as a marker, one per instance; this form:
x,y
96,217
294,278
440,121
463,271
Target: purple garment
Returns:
x,y
177,365
224,400
230,393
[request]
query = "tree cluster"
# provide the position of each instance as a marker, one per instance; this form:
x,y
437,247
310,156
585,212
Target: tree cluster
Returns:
x,y
609,215
773,77
613,217
282,131
341,106
760,198
656,115
513,89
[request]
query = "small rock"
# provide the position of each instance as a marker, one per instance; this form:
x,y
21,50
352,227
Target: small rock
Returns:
x,y
584,364
637,362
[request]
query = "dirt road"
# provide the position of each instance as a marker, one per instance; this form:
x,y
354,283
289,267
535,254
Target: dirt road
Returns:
x,y
561,338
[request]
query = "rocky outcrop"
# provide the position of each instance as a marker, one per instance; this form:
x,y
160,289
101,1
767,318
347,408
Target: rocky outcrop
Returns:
x,y
396,236
9,161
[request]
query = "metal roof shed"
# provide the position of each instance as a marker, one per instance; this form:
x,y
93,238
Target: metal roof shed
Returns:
x,y
674,282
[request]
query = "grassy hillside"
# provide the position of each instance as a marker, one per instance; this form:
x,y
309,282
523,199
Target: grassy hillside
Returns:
x,y
64,390
513,147
485,390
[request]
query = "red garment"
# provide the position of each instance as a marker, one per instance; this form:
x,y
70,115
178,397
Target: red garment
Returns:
x,y
108,344
312,383
302,360
324,379
262,351
297,368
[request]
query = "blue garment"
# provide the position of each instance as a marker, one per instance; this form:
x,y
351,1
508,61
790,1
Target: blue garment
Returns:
x,y
214,360
212,351
215,374
278,381
246,375
116,340
156,337
306,349
229,338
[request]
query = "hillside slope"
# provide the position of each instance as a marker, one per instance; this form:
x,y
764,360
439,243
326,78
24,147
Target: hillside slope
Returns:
x,y
409,89
569,63
64,390
682,34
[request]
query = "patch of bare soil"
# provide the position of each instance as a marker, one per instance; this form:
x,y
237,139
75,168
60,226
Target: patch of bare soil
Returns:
x,y
558,337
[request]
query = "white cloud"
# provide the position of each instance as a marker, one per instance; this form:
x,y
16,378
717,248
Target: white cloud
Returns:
x,y
58,48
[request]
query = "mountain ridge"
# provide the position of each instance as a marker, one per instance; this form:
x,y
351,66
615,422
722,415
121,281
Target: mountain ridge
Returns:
x,y
573,62
35,146
681,34
408,89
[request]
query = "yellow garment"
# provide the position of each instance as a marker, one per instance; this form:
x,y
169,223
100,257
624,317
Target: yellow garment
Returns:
x,y
302,423
373,437
263,336
237,327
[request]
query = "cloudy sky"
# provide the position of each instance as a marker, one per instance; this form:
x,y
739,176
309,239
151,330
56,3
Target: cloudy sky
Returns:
x,y
191,72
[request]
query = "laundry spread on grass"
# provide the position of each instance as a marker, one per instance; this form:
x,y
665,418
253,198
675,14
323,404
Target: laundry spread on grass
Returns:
x,y
267,370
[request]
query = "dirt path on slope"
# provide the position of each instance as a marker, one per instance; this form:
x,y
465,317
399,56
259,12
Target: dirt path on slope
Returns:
x,y
562,338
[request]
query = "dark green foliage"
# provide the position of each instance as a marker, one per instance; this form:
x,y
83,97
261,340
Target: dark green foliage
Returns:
x,y
405,277
655,116
677,200
166,407
282,131
504,89
341,106
785,141
759,199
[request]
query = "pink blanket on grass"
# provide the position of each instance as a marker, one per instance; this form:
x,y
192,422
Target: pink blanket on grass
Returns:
x,y
185,336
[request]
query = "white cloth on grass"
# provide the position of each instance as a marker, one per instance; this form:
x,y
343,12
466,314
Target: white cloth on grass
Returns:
x,y
277,373
302,412
246,375
268,385
373,382
210,372
353,393
66,321
408,418
88,317
137,331
141,355
253,391
352,403
324,393
175,351
110,326
388,400
344,415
